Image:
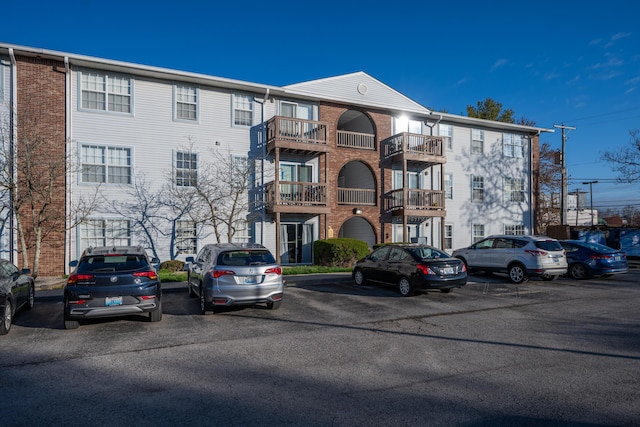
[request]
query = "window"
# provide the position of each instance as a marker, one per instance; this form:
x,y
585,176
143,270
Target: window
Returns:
x,y
448,186
186,168
448,236
446,131
111,165
105,232
513,145
186,237
477,189
240,171
477,232
105,92
514,230
186,98
404,124
296,110
477,141
243,233
242,110
513,190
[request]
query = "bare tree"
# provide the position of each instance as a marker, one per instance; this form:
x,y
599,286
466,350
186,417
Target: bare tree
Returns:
x,y
550,187
626,161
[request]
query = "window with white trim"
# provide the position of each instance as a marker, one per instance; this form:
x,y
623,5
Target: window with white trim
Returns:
x,y
243,232
477,189
105,92
105,232
242,110
448,236
514,229
186,98
186,237
513,145
477,232
448,186
513,190
186,169
446,131
102,164
477,141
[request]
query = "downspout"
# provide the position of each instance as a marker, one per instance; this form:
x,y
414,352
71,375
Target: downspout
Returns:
x,y
13,138
68,151
532,217
264,154
442,219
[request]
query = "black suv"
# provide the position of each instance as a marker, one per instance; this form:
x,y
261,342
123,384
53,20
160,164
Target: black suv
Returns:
x,y
112,281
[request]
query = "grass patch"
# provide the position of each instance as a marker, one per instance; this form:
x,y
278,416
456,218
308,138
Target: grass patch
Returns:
x,y
181,276
172,276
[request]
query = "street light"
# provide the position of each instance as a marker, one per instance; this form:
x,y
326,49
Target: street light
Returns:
x,y
591,196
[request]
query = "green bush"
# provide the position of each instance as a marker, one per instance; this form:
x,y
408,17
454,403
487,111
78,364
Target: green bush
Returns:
x,y
339,252
172,265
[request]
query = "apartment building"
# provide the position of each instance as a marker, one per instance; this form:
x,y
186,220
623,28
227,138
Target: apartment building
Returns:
x,y
345,156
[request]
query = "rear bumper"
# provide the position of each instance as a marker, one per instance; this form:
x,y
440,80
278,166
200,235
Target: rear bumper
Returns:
x,y
547,272
244,295
436,283
114,311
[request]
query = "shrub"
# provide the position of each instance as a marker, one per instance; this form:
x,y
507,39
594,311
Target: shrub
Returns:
x,y
339,252
172,265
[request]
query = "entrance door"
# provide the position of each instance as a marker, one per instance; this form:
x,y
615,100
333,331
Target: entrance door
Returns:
x,y
296,243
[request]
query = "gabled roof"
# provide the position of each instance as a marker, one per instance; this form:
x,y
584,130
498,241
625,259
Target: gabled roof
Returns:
x,y
356,89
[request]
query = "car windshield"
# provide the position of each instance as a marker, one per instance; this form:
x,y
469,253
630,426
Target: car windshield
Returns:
x,y
246,257
428,253
548,245
111,263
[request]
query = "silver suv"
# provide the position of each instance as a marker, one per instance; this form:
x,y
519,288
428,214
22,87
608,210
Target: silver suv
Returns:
x,y
519,256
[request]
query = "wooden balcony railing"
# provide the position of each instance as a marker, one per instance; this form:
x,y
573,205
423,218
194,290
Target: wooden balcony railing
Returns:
x,y
416,200
414,144
299,131
296,194
356,196
363,141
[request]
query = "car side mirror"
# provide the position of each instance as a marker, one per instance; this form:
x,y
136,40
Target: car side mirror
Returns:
x,y
190,259
26,271
73,263
373,258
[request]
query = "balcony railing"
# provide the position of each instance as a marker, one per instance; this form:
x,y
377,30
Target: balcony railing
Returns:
x,y
416,200
284,131
356,196
365,141
293,193
413,144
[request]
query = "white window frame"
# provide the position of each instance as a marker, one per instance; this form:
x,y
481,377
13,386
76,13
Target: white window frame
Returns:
x,y
107,163
105,232
515,229
446,131
513,190
242,103
448,236
448,186
185,176
186,237
477,189
243,232
513,145
477,232
110,83
186,98
477,141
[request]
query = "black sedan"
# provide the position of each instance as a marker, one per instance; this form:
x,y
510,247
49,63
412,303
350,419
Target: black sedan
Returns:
x,y
588,259
411,268
17,290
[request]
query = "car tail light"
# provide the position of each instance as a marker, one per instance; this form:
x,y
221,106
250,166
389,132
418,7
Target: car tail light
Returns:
x,y
76,302
219,273
464,268
147,297
536,252
600,256
274,270
150,274
75,278
425,270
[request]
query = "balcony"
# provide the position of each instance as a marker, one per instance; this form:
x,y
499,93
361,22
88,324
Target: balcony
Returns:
x,y
356,196
415,147
428,203
293,134
296,197
363,141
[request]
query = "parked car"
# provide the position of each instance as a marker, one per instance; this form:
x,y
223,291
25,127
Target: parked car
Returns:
x,y
112,281
17,290
231,274
593,259
411,268
520,257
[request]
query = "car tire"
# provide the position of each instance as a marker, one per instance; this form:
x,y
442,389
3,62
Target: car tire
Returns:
x,y
358,277
578,271
156,315
204,307
517,273
405,287
274,305
445,291
71,324
31,299
7,317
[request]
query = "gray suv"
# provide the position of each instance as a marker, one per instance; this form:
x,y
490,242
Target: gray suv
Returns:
x,y
520,257
234,274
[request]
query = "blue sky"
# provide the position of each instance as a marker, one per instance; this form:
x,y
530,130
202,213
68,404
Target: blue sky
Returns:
x,y
553,62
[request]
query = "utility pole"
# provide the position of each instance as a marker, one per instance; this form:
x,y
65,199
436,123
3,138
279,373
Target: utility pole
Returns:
x,y
563,193
591,197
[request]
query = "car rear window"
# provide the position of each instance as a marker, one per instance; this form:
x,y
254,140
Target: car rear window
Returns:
x,y
246,257
111,263
428,253
548,245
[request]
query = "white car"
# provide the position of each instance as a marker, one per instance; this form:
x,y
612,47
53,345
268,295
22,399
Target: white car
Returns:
x,y
520,257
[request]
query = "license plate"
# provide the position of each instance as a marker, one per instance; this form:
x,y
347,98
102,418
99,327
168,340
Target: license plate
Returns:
x,y
109,301
448,270
250,280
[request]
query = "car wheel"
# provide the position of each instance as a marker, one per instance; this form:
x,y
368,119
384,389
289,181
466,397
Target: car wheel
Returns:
x,y
7,317
156,315
405,287
549,278
274,305
31,300
517,273
71,324
358,277
204,307
445,291
578,271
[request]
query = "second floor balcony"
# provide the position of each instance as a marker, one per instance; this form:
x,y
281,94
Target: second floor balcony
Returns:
x,y
296,197
294,134
415,147
415,202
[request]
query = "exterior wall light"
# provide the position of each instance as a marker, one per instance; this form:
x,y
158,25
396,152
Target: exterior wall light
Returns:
x,y
357,211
